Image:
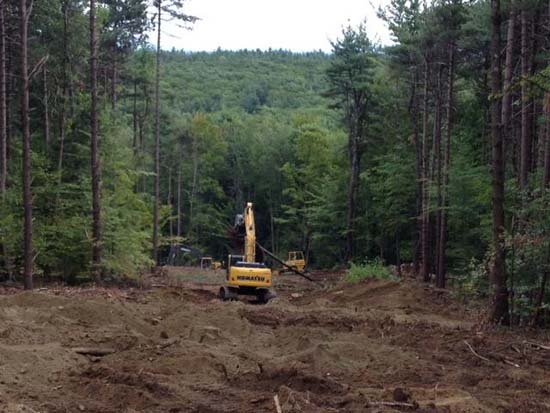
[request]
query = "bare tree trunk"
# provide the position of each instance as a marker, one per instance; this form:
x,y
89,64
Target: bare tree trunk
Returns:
x,y
418,152
352,196
170,204
507,130
46,109
546,185
179,230
95,159
12,57
541,132
3,128
542,291
157,144
526,138
546,179
499,313
193,184
114,75
437,163
424,234
533,104
272,226
546,109
135,120
27,195
63,114
442,244
3,91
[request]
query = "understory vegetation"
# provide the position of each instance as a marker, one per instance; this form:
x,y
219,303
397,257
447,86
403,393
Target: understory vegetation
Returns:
x,y
374,269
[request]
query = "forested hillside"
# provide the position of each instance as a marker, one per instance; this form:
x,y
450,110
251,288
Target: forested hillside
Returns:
x,y
433,151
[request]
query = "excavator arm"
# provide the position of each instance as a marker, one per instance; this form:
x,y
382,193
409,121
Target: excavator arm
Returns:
x,y
250,236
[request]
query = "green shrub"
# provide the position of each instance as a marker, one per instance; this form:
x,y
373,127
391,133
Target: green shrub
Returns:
x,y
368,270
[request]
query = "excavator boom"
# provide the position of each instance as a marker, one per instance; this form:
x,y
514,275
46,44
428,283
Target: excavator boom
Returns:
x,y
250,237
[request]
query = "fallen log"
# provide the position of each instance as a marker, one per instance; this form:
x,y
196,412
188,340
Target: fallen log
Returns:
x,y
94,351
395,404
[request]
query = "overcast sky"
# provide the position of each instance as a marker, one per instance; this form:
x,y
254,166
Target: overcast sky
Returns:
x,y
297,25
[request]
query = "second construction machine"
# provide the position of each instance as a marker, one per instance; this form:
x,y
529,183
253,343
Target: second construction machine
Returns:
x,y
246,275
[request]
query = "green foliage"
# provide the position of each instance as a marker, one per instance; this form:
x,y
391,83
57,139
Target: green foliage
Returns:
x,y
473,281
127,215
374,269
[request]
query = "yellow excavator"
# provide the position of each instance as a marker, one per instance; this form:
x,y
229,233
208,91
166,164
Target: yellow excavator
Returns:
x,y
245,274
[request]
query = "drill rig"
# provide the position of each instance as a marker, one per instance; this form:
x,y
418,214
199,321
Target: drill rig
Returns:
x,y
245,275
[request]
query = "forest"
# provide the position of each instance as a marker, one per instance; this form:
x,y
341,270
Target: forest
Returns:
x,y
431,153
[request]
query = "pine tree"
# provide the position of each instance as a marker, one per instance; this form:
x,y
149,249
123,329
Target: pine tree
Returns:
x,y
95,158
350,77
24,15
498,273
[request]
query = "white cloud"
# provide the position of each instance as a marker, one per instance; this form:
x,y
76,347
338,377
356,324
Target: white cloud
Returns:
x,y
297,25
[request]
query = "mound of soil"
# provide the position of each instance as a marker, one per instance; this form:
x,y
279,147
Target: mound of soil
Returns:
x,y
370,347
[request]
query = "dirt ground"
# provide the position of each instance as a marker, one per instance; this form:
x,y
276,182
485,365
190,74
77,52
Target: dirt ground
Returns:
x,y
377,346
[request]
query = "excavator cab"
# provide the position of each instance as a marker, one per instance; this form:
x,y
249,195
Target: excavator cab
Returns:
x,y
244,275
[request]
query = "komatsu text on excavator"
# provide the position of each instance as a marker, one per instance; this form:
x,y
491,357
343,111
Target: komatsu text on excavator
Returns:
x,y
245,274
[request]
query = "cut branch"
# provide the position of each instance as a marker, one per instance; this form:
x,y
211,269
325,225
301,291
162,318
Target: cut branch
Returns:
x,y
476,354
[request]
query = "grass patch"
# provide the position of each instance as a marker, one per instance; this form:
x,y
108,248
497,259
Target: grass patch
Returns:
x,y
374,269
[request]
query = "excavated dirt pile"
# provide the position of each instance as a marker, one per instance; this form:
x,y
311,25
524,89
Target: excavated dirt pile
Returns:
x,y
376,346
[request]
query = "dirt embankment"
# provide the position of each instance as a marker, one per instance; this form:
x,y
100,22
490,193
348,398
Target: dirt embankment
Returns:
x,y
371,347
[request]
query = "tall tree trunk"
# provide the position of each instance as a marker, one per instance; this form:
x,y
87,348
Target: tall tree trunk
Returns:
x,y
157,144
526,138
352,195
3,128
424,234
418,193
437,162
507,130
541,132
171,205
533,104
65,89
272,225
542,290
178,229
499,313
546,179
546,110
546,186
135,120
46,109
114,75
3,91
27,196
442,244
12,58
195,155
95,160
